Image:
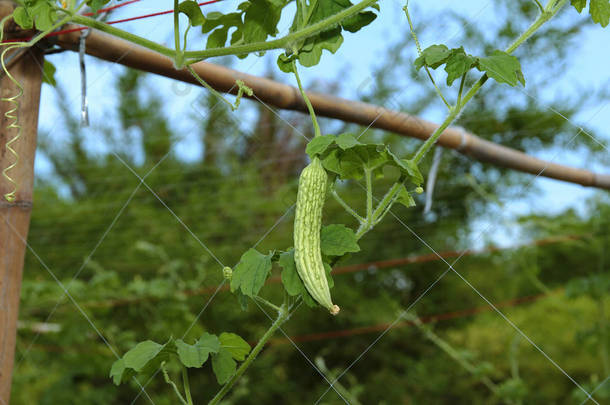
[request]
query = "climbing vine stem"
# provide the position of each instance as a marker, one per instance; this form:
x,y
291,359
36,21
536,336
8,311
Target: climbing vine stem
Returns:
x,y
312,113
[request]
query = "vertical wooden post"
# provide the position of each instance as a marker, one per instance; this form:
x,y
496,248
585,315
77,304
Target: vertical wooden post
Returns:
x,y
15,216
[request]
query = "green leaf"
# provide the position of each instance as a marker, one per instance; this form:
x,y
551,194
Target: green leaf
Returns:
x,y
319,145
140,356
197,354
284,62
600,11
44,15
97,4
235,345
337,240
416,177
251,272
192,11
311,53
458,64
223,365
502,67
118,372
48,73
433,56
329,277
403,197
346,141
357,21
22,18
291,280
579,4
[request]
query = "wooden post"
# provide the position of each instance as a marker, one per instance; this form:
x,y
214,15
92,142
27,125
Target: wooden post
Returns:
x,y
15,216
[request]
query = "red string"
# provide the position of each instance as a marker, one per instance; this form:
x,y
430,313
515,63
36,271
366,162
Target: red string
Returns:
x,y
140,17
103,10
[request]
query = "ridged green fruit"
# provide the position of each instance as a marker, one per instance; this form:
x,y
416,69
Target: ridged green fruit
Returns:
x,y
307,225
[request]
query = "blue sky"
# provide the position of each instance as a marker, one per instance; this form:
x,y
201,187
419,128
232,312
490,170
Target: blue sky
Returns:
x,y
360,52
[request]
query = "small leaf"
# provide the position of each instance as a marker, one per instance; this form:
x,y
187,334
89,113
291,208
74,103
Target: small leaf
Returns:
x,y
346,141
292,283
235,345
97,4
22,18
579,4
284,62
291,280
329,277
502,67
600,11
433,56
357,21
416,177
48,73
319,144
192,11
223,365
458,64
197,354
117,370
337,240
251,272
138,357
403,197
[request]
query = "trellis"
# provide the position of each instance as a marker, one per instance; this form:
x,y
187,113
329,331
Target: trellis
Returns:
x,y
25,67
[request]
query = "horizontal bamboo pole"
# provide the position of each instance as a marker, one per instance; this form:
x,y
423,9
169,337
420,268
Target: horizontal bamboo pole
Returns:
x,y
286,97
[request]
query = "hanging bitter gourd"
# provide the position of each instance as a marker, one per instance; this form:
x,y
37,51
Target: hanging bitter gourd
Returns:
x,y
307,224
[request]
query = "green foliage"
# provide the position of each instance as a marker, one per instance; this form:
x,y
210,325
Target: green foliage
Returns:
x,y
48,75
254,21
500,66
38,13
147,357
337,240
598,9
251,272
347,157
309,51
192,10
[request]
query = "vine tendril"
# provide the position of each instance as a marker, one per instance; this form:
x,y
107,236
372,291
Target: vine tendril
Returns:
x,y
12,115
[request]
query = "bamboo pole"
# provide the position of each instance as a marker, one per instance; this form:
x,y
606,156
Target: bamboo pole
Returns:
x,y
286,97
15,216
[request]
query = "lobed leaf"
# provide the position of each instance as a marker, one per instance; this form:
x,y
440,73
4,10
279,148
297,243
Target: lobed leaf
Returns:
x,y
502,67
337,240
251,272
235,345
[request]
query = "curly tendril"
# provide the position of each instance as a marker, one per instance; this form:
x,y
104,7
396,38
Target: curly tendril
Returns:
x,y
12,115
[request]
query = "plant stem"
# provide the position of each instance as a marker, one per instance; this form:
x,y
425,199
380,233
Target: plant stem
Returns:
x,y
187,386
539,6
179,59
458,103
279,43
542,18
109,29
286,40
414,35
174,386
210,88
346,206
369,196
283,316
269,304
312,113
